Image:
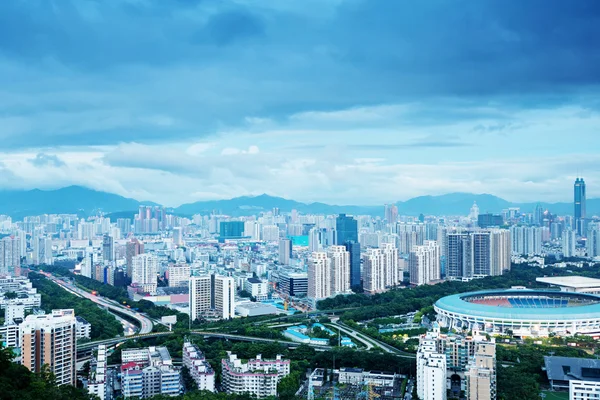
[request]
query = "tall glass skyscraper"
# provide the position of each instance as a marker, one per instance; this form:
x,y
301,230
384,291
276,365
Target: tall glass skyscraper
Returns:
x,y
579,203
346,234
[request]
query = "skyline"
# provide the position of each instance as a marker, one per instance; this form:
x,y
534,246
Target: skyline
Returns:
x,y
203,100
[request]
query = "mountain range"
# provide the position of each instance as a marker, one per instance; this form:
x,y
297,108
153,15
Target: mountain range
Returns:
x,y
84,202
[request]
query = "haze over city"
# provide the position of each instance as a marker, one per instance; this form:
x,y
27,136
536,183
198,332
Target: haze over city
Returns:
x,y
346,102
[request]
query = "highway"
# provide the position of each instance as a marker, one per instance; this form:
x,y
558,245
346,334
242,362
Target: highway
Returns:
x,y
144,322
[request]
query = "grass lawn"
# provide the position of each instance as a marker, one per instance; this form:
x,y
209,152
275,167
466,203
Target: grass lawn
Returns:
x,y
556,395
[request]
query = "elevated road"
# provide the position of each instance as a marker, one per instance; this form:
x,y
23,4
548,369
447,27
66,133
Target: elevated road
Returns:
x,y
144,322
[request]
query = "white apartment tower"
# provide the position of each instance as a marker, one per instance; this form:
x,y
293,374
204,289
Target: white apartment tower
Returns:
x,y
431,371
144,271
212,294
51,339
392,275
10,254
340,269
319,276
374,271
569,241
424,263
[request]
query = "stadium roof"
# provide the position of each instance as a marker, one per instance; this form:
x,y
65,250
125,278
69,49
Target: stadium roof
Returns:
x,y
571,368
576,282
456,304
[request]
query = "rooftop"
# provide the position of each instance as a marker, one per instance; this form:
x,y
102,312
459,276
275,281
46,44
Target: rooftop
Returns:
x,y
571,368
577,282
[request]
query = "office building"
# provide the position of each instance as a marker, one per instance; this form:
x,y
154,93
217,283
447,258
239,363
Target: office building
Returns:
x,y
319,276
579,201
108,251
177,236
10,254
346,229
200,370
353,247
149,372
294,284
144,272
257,288
178,275
488,220
231,229
481,373
431,371
374,271
424,263
340,269
569,241
212,296
285,251
584,390
256,377
51,339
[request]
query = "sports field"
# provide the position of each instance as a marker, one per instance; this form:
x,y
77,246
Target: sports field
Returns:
x,y
556,395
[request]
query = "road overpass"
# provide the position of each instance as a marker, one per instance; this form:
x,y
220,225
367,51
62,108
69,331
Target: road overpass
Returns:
x,y
144,322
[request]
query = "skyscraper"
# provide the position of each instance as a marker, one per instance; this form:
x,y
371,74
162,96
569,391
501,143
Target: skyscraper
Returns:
x,y
319,276
51,339
424,263
340,269
144,272
354,249
346,229
285,251
579,203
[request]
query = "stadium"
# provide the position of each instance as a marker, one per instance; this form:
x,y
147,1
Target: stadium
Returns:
x,y
524,312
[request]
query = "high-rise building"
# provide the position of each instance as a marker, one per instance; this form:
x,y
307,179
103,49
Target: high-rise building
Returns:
x,y
314,242
212,295
458,256
424,263
177,236
51,339
96,384
270,233
391,267
374,271
10,254
500,251
487,220
480,253
132,249
231,229
593,241
293,283
319,276
178,275
391,214
569,241
256,377
340,269
579,206
353,247
346,229
108,251
431,371
285,251
145,271
526,239
481,373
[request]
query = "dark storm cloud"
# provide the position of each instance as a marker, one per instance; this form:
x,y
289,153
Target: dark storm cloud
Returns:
x,y
209,64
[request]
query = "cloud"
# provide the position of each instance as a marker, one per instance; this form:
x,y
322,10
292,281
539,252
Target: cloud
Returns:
x,y
46,160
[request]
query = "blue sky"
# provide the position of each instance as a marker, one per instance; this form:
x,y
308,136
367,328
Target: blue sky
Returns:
x,y
341,101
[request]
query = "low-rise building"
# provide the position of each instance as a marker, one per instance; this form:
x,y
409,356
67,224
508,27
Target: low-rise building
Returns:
x,y
148,372
257,377
84,328
200,370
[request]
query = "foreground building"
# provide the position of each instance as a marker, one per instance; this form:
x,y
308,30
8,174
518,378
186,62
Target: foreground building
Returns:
x,y
200,370
212,295
257,377
96,384
52,340
149,372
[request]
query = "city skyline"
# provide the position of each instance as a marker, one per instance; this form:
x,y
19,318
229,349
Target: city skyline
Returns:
x,y
405,109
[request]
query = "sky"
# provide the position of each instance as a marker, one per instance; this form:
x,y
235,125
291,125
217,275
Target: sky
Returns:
x,y
340,101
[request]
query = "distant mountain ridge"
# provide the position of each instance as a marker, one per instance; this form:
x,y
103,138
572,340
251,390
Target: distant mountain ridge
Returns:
x,y
84,202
